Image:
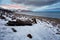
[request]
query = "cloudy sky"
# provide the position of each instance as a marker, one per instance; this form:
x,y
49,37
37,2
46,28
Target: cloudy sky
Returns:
x,y
35,5
36,2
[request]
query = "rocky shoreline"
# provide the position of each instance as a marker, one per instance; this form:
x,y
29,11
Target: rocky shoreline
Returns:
x,y
53,21
45,19
10,15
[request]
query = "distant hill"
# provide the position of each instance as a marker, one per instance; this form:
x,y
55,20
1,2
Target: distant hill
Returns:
x,y
26,11
15,10
5,10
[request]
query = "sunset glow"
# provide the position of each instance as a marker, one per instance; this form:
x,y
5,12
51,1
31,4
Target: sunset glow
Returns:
x,y
13,6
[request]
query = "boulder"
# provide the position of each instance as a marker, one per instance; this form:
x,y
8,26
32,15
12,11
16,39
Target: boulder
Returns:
x,y
34,20
29,35
20,22
11,23
14,30
58,33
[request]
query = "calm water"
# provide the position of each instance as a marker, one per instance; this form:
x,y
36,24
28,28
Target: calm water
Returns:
x,y
52,15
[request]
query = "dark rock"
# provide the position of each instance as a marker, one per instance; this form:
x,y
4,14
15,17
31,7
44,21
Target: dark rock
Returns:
x,y
13,30
2,17
34,20
13,17
11,23
58,33
19,23
29,35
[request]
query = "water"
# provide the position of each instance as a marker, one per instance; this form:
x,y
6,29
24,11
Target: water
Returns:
x,y
52,15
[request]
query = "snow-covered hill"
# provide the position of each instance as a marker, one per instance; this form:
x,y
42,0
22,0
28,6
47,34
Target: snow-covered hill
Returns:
x,y
40,31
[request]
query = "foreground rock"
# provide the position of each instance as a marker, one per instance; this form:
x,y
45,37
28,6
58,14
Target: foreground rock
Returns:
x,y
19,22
29,36
14,30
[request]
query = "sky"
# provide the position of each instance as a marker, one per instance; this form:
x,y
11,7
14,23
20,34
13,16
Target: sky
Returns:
x,y
34,5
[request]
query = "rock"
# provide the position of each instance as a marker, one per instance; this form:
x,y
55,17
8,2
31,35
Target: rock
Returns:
x,y
11,23
2,17
13,17
58,33
19,23
34,20
13,30
29,35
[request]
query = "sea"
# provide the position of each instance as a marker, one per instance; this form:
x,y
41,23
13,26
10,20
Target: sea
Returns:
x,y
50,15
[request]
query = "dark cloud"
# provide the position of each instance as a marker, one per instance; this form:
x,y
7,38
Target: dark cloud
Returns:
x,y
36,2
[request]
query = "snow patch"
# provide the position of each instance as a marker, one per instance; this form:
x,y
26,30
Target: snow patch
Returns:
x,y
39,31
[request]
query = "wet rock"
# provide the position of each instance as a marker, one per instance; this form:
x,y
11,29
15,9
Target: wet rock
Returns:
x,y
29,35
14,30
13,17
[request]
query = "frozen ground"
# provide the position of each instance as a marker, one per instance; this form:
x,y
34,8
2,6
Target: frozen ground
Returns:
x,y
39,31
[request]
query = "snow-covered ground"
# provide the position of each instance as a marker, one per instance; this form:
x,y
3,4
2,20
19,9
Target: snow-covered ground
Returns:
x,y
39,31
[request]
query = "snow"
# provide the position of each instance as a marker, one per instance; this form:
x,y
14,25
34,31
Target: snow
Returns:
x,y
7,18
40,31
23,18
2,22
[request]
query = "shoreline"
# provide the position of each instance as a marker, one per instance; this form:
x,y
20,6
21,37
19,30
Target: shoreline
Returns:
x,y
55,20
